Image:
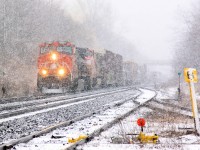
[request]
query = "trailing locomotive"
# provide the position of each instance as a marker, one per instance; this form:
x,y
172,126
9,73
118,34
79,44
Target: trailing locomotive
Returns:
x,y
63,66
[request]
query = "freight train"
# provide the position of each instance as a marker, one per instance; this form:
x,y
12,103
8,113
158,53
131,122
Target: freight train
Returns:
x,y
62,66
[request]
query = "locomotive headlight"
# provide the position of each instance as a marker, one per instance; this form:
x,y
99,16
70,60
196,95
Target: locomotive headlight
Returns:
x,y
54,56
61,72
44,72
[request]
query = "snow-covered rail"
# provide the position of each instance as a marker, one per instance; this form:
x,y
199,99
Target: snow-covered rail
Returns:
x,y
17,108
163,106
59,96
32,123
102,120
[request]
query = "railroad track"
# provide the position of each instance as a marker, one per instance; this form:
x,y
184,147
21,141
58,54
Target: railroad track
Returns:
x,y
155,106
169,107
110,124
139,102
175,105
49,96
31,122
17,108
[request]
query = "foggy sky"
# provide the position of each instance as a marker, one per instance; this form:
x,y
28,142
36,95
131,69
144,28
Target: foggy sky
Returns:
x,y
153,26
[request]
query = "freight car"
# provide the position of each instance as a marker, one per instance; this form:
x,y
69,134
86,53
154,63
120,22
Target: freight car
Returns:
x,y
63,66
130,73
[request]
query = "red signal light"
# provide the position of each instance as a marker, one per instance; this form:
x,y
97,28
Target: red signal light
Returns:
x,y
141,122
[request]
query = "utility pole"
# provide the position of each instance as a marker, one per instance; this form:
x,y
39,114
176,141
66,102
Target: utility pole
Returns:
x,y
155,79
179,86
4,41
3,50
4,33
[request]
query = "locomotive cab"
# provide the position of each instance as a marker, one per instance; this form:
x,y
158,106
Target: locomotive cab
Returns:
x,y
55,66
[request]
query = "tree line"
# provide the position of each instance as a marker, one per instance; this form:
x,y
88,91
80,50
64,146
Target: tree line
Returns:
x,y
24,24
187,53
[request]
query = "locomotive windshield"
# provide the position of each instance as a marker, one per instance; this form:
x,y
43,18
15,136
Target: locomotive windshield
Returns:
x,y
65,49
46,49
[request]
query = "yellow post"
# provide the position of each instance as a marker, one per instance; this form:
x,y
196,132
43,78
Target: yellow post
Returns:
x,y
191,99
190,75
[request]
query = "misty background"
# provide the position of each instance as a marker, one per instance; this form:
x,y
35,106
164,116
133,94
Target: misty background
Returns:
x,y
161,34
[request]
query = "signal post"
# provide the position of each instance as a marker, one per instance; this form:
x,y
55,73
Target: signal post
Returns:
x,y
190,75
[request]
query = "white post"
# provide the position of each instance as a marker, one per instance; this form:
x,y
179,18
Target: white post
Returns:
x,y
195,109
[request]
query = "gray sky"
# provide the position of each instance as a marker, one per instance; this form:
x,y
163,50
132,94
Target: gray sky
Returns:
x,y
153,26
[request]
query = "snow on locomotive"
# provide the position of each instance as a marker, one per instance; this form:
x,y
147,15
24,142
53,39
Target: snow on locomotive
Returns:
x,y
63,67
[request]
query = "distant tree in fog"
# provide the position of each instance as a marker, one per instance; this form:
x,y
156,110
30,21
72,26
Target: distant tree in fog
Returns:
x,y
98,18
26,23
187,53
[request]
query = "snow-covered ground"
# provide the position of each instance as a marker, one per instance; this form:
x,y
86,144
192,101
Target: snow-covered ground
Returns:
x,y
175,131
83,127
146,95
169,129
168,93
14,128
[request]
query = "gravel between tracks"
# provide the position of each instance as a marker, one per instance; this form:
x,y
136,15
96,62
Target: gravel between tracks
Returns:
x,y
16,128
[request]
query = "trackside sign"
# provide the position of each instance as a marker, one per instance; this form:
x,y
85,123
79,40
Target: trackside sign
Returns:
x,y
190,75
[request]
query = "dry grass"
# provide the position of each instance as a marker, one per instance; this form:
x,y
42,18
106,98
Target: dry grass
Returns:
x,y
167,123
164,124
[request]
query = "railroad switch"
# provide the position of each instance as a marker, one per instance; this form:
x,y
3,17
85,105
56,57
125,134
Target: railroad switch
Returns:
x,y
147,138
74,140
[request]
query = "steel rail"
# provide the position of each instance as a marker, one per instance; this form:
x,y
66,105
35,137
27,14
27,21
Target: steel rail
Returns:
x,y
108,125
53,103
41,97
65,123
